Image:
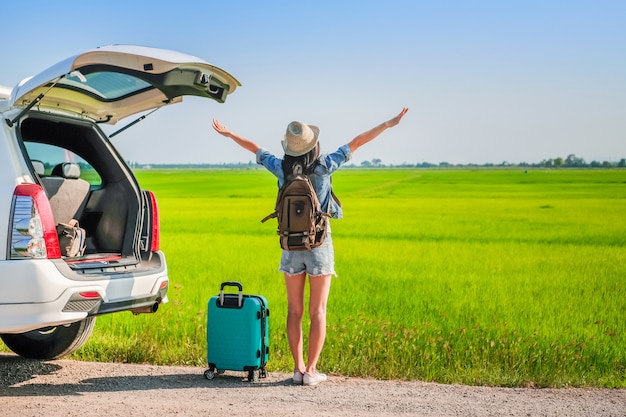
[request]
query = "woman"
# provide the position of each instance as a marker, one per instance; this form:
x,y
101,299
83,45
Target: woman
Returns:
x,y
301,145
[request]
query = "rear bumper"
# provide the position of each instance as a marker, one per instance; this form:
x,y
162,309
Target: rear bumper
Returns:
x,y
41,293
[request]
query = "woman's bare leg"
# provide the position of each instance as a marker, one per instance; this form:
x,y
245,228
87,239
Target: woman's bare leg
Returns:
x,y
295,312
320,289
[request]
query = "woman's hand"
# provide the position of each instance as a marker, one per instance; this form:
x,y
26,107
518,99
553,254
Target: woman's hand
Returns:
x,y
394,121
371,134
219,128
239,140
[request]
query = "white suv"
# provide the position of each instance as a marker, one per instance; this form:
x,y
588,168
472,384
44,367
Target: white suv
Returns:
x,y
57,166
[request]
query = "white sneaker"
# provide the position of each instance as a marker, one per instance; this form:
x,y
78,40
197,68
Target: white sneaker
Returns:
x,y
309,379
297,377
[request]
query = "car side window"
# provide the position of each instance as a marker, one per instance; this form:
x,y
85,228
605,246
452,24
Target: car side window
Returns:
x,y
51,156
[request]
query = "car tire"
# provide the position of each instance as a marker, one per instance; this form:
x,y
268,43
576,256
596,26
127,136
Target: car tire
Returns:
x,y
50,342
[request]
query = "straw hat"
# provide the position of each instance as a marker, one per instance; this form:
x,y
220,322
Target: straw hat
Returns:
x,y
300,138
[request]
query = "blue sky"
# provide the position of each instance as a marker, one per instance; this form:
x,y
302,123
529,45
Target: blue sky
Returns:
x,y
485,81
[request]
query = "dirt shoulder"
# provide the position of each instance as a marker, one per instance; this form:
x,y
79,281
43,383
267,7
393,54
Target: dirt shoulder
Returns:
x,y
71,388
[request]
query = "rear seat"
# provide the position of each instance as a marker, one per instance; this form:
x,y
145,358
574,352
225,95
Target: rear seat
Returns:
x,y
66,191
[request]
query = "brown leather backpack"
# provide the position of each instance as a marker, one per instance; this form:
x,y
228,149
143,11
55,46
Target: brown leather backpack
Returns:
x,y
302,225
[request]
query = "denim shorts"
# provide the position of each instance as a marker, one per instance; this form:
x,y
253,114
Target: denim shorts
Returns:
x,y
319,261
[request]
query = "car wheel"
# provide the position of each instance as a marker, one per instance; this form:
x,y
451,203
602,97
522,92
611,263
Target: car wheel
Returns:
x,y
50,342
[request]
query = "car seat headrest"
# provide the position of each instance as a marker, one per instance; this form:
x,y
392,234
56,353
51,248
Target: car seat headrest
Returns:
x,y
39,167
66,170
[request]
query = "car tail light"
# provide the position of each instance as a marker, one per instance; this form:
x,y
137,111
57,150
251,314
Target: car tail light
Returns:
x,y
33,231
89,294
155,233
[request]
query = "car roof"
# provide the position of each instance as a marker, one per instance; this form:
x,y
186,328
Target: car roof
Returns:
x,y
109,83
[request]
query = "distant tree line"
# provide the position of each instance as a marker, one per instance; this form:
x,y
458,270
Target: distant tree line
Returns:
x,y
572,161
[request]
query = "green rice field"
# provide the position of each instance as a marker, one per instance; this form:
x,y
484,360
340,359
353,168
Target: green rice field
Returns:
x,y
482,277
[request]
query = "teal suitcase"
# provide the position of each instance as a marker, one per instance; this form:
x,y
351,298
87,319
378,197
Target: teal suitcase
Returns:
x,y
237,333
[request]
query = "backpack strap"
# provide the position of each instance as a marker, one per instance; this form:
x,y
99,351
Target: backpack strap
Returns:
x,y
332,193
269,216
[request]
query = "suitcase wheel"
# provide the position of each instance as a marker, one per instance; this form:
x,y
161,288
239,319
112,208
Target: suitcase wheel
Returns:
x,y
252,376
209,374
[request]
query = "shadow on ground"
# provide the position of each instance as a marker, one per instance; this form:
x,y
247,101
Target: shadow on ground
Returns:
x,y
22,377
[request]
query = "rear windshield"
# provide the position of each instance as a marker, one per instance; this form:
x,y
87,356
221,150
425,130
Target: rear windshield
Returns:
x,y
107,86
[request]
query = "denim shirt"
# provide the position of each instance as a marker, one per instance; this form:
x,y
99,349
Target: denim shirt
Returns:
x,y
320,178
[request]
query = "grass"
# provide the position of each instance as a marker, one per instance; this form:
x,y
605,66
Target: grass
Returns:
x,y
485,277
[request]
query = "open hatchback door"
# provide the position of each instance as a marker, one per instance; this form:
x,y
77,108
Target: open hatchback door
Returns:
x,y
110,83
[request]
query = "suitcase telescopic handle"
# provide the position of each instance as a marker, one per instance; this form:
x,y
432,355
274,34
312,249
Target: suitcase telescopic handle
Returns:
x,y
231,284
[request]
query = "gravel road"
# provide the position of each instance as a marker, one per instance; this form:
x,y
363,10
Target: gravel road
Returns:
x,y
72,388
